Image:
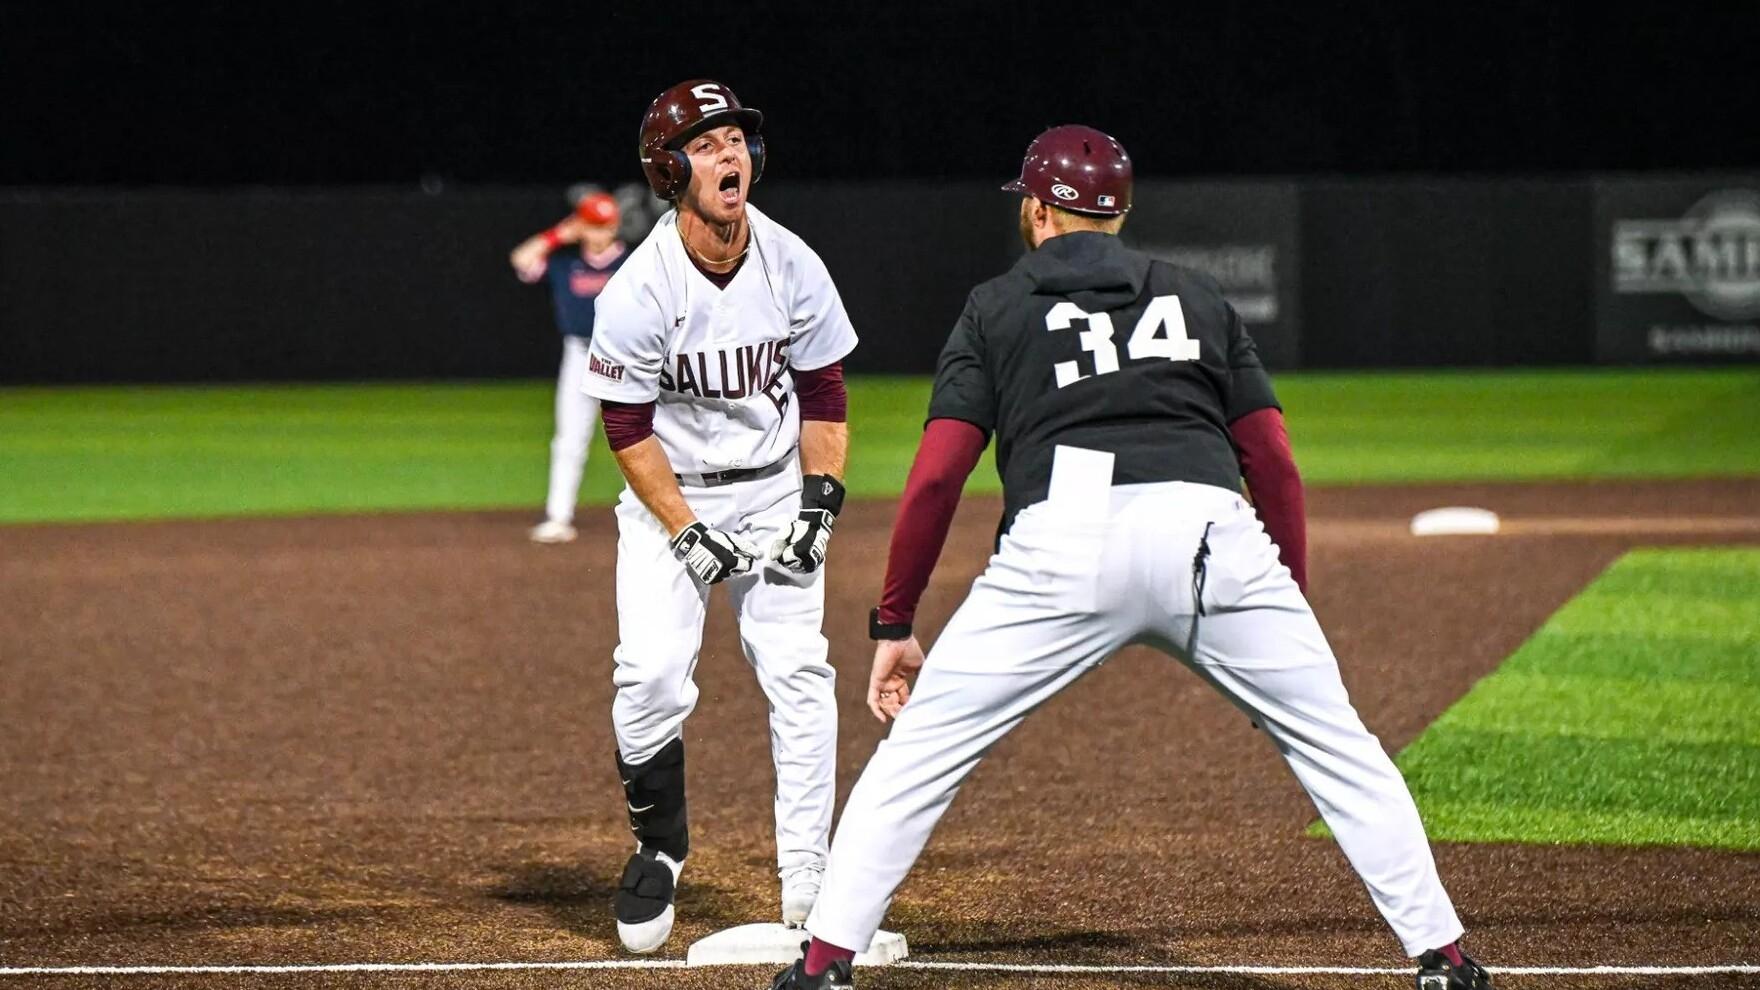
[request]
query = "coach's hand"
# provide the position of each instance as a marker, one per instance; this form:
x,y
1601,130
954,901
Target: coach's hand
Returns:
x,y
802,548
712,555
889,687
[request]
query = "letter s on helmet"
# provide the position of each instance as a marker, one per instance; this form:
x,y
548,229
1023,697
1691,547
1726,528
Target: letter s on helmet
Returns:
x,y
681,113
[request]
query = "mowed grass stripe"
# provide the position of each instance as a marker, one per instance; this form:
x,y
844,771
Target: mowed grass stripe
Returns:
x,y
1471,821
128,452
142,452
1522,425
1653,657
1632,717
1552,704
1658,777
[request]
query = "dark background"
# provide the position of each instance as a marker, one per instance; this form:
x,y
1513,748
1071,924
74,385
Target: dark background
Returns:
x,y
225,191
322,91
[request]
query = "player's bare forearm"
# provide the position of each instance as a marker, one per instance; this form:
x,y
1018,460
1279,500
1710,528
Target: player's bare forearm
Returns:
x,y
801,548
567,231
528,259
649,473
824,447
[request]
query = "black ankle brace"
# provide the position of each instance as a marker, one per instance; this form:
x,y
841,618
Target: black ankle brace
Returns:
x,y
655,793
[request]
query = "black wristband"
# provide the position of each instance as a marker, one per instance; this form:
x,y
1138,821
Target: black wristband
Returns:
x,y
822,491
886,630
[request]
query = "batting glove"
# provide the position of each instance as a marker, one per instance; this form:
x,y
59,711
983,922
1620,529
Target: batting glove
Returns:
x,y
802,548
712,555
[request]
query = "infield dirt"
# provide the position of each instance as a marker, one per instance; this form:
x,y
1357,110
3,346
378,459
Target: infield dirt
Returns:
x,y
387,738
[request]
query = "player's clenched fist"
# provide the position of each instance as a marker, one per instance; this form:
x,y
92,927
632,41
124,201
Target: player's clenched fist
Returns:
x,y
802,548
712,555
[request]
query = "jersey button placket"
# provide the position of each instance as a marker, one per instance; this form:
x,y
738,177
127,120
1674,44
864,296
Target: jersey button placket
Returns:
x,y
721,320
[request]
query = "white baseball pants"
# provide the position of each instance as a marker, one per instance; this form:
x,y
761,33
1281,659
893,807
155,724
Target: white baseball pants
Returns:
x,y
1071,584
576,412
660,612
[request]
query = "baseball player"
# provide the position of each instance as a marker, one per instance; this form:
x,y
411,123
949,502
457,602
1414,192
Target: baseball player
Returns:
x,y
576,278
1127,403
717,354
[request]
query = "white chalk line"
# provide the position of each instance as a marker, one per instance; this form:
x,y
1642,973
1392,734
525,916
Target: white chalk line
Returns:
x,y
267,970
1032,968
1244,970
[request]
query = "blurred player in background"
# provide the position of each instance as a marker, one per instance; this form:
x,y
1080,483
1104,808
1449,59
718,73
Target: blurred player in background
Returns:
x,y
576,278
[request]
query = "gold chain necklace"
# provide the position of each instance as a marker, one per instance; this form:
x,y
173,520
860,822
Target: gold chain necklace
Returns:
x,y
705,262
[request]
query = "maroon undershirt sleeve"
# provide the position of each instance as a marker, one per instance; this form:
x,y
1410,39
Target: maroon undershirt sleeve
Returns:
x,y
945,458
626,423
822,393
1269,468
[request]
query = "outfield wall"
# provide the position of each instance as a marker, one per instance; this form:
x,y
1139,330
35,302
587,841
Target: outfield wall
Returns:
x,y
252,284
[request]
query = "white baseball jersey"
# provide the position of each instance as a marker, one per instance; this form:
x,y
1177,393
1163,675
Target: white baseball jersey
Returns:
x,y
715,362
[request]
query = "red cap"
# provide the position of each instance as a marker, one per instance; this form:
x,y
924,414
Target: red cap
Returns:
x,y
597,210
1077,168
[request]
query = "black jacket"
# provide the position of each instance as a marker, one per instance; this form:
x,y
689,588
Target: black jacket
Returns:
x,y
1089,343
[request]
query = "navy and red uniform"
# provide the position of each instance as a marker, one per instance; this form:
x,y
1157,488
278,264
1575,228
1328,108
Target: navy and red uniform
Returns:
x,y
575,281
575,278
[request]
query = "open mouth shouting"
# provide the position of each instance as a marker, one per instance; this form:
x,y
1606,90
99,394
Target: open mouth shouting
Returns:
x,y
729,190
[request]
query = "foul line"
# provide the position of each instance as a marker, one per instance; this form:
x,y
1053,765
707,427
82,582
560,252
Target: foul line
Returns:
x,y
1044,968
1332,970
454,967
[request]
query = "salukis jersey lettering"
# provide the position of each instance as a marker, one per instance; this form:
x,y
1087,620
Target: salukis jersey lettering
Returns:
x,y
715,362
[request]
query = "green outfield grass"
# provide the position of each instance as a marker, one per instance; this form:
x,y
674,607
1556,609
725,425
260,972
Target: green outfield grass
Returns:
x,y
144,452
1630,718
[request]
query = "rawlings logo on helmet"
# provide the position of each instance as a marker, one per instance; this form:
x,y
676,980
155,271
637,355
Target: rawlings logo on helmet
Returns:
x,y
1078,168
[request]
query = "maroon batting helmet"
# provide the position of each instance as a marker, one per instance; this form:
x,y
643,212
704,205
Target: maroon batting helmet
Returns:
x,y
1077,168
683,112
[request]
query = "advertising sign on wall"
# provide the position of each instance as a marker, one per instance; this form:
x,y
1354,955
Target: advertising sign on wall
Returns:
x,y
1678,270
1242,234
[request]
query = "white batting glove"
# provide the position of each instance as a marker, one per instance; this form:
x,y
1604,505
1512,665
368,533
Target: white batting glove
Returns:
x,y
712,555
802,548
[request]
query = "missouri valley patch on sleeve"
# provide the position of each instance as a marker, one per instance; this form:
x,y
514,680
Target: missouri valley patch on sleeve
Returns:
x,y
604,369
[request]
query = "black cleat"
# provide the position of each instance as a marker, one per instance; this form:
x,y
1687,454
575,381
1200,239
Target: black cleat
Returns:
x,y
837,977
644,900
1435,972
